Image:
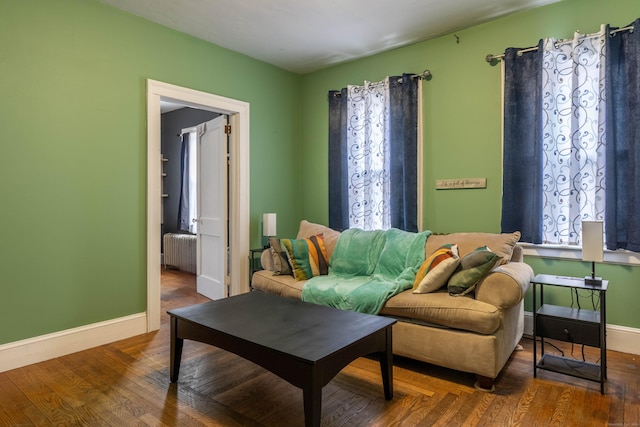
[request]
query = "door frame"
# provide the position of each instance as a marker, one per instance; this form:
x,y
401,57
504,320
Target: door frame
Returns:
x,y
238,201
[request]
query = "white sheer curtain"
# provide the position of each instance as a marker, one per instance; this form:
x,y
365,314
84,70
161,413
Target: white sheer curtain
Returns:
x,y
188,205
573,131
193,180
368,155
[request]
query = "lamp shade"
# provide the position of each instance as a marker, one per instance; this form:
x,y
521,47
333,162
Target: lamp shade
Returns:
x,y
592,241
269,224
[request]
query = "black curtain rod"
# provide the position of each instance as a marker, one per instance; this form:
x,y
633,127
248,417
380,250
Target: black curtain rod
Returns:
x,y
491,57
425,75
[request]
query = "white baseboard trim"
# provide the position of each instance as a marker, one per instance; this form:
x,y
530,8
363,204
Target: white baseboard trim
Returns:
x,y
38,349
619,338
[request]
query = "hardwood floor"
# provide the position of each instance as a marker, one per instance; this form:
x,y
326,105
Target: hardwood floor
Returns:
x,y
127,383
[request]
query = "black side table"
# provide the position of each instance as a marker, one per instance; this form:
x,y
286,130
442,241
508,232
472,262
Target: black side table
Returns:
x,y
570,324
254,262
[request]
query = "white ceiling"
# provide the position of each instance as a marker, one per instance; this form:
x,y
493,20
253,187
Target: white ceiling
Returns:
x,y
307,35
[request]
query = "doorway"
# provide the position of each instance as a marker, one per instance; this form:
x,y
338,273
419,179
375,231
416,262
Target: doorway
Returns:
x,y
238,112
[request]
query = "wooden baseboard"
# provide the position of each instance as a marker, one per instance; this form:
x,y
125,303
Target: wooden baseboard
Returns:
x,y
33,350
619,338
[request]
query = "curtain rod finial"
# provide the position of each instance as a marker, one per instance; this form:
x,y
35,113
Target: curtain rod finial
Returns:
x,y
489,57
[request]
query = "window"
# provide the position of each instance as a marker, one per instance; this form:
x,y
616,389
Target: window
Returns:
x,y
368,156
572,138
373,164
188,205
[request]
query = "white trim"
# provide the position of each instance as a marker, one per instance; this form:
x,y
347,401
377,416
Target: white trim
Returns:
x,y
34,350
575,253
38,349
238,112
420,155
502,75
239,198
623,338
619,338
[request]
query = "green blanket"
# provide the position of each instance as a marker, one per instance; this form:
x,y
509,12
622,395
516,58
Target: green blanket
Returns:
x,y
367,268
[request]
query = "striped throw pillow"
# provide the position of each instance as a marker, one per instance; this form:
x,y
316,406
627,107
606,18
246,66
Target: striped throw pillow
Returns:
x,y
307,257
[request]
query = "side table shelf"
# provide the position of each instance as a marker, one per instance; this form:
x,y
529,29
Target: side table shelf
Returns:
x,y
570,324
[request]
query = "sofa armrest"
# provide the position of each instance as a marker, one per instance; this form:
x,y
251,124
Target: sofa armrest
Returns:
x,y
266,260
506,285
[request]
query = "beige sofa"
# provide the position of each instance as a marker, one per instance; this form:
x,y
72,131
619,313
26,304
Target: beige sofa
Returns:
x,y
475,333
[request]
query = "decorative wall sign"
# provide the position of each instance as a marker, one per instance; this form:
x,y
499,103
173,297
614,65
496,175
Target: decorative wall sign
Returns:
x,y
456,184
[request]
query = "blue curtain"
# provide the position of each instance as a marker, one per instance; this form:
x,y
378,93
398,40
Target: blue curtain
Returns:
x,y
338,180
403,151
522,161
622,210
184,219
403,99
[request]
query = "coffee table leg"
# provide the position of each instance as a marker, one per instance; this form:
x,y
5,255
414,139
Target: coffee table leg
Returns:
x,y
175,351
312,395
386,366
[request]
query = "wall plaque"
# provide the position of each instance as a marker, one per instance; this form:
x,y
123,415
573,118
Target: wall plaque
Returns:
x,y
458,183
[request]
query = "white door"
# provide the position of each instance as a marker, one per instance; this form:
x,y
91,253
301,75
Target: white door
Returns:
x,y
212,210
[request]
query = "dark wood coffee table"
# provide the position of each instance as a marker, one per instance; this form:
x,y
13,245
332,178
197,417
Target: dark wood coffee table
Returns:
x,y
305,344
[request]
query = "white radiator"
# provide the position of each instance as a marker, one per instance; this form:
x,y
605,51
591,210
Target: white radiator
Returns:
x,y
180,251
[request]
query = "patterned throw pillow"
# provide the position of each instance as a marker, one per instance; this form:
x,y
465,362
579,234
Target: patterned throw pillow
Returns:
x,y
436,269
473,267
307,257
281,265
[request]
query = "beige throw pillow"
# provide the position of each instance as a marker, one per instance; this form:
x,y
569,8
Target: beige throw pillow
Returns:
x,y
436,270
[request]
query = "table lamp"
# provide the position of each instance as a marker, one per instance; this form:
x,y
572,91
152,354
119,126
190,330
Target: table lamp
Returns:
x,y
592,248
268,225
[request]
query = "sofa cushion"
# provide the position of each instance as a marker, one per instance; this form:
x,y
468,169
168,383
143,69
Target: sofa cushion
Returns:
x,y
440,308
279,259
473,267
285,286
307,257
436,269
501,244
266,260
330,235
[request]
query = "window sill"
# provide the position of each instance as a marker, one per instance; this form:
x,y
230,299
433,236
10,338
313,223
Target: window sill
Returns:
x,y
575,253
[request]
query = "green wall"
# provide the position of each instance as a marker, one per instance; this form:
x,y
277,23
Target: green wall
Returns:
x,y
462,125
73,154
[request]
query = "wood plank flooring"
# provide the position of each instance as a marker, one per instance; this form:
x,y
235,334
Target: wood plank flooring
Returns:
x,y
127,384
